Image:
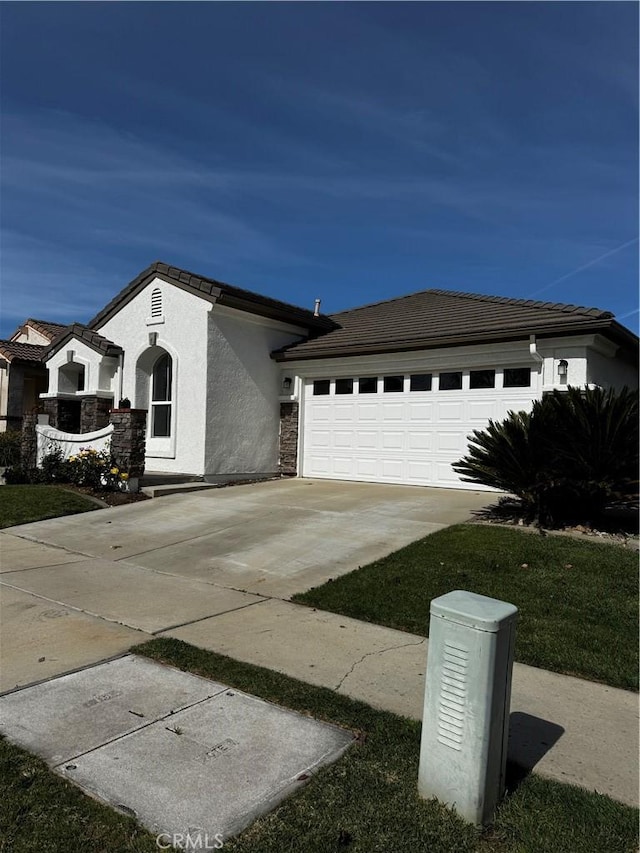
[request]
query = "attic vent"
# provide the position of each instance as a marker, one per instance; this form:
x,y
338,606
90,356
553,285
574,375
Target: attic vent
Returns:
x,y
156,302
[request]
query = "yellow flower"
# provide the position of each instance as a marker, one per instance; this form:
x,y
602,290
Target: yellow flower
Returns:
x,y
124,476
115,471
72,458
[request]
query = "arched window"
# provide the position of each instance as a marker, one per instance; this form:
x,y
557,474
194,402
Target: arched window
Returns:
x,y
161,397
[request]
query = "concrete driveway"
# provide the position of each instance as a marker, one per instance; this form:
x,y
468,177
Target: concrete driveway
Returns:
x,y
84,588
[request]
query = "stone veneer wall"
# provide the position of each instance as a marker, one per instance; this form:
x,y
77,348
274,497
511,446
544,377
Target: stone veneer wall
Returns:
x,y
29,444
129,439
288,463
63,414
94,413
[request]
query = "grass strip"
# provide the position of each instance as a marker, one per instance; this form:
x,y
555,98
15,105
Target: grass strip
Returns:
x,y
22,504
577,600
366,802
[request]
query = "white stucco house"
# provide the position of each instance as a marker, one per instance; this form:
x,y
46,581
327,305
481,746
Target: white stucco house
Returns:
x,y
240,385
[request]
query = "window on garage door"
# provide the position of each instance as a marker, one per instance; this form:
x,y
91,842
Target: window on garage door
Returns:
x,y
482,379
451,381
517,377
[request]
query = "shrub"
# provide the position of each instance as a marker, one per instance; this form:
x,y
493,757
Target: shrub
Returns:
x,y
575,453
16,475
10,448
90,468
53,468
95,469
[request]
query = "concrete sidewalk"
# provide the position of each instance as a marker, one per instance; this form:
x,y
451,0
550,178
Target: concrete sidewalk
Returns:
x,y
565,728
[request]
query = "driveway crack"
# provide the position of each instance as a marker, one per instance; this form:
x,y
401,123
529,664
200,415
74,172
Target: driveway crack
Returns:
x,y
373,654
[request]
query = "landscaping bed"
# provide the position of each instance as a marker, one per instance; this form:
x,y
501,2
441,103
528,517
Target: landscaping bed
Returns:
x,y
577,600
365,802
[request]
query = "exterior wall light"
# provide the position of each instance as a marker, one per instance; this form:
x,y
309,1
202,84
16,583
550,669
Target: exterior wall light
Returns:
x,y
287,382
563,364
153,338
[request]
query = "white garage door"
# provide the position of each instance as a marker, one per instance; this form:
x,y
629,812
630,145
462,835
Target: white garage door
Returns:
x,y
404,429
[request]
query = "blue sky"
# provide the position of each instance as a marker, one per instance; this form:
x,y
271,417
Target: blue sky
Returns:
x,y
348,151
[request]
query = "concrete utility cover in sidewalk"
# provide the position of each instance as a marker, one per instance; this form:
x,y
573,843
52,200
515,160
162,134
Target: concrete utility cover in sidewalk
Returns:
x,y
208,770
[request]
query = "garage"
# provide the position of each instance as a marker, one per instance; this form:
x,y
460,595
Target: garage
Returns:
x,y
405,428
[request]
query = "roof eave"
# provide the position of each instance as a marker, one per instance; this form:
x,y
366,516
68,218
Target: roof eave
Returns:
x,y
215,293
573,328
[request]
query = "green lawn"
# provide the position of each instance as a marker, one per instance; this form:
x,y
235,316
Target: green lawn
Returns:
x,y
364,803
578,601
21,504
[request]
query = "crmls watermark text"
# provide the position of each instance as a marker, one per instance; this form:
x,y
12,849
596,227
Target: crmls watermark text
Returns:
x,y
189,841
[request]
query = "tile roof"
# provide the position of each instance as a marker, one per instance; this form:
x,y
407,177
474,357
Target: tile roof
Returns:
x,y
15,351
436,318
214,291
45,327
87,336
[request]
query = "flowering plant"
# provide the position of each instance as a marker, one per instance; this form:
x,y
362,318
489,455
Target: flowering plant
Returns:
x,y
95,468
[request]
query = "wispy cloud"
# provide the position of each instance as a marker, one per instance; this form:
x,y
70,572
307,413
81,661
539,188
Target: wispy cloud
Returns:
x,y
586,266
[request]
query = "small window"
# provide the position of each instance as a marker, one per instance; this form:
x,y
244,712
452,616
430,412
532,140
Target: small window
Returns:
x,y
81,378
482,379
420,382
451,381
321,387
393,383
344,386
368,384
156,302
517,377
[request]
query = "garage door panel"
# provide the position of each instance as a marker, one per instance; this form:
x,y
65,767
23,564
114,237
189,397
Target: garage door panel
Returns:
x,y
450,411
368,412
320,413
404,437
318,466
420,473
319,438
366,468
344,438
367,439
420,440
451,442
393,412
342,466
481,410
392,469
393,440
343,412
422,412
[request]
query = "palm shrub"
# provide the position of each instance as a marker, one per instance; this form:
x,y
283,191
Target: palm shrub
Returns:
x,y
575,453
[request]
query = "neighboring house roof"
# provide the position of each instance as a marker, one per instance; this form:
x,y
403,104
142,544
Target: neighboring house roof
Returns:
x,y
438,318
212,291
16,351
45,327
82,333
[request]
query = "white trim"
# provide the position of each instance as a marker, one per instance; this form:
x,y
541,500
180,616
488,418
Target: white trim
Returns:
x,y
170,452
258,319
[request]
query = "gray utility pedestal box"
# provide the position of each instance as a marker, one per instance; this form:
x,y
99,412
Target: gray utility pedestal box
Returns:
x,y
465,725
